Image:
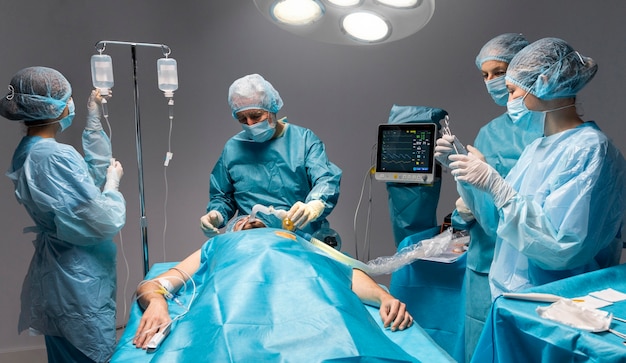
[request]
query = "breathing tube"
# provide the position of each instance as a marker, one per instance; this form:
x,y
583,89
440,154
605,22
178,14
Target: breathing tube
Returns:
x,y
379,266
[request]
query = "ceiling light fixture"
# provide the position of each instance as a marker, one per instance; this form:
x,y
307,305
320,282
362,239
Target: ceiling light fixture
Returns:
x,y
355,22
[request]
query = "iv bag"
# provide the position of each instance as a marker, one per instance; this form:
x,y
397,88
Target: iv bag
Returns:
x,y
102,73
168,76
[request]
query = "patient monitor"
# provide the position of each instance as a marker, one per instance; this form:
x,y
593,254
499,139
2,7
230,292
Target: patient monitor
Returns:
x,y
405,153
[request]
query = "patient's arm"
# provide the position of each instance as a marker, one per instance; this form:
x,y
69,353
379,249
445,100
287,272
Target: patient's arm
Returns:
x,y
392,311
156,316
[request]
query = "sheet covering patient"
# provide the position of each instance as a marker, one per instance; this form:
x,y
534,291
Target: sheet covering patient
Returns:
x,y
269,295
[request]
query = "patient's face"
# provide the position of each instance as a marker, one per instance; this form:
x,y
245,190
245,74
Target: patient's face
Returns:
x,y
245,223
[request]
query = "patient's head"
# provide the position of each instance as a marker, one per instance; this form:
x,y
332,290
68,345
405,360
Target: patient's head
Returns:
x,y
243,222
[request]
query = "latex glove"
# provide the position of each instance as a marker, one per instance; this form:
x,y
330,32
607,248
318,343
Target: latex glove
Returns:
x,y
476,153
210,222
114,175
93,111
470,169
464,212
302,214
444,148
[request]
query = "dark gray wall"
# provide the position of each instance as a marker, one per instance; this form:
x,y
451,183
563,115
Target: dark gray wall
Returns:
x,y
341,93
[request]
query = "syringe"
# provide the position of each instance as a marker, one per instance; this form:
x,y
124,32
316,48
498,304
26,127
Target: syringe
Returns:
x,y
458,146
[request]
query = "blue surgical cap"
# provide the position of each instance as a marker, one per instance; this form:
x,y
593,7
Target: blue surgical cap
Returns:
x,y
252,92
501,48
230,226
36,93
550,68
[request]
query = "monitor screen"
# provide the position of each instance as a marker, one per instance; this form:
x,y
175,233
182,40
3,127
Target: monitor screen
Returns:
x,y
405,153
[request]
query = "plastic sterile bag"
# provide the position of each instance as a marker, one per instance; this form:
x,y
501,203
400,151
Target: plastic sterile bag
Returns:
x,y
425,248
575,315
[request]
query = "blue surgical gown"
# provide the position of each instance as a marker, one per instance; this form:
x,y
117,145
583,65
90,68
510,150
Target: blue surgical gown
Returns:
x,y
69,289
567,214
292,167
502,156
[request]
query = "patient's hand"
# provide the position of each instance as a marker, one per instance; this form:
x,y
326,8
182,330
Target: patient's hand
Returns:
x,y
394,314
155,318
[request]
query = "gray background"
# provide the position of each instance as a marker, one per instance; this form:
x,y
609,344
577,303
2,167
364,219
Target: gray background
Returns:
x,y
340,92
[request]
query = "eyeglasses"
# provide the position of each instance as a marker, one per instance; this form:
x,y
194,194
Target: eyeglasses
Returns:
x,y
254,115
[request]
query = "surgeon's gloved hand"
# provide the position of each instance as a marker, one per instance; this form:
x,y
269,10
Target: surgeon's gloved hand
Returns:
x,y
444,148
471,170
476,153
302,214
114,175
210,222
464,212
93,111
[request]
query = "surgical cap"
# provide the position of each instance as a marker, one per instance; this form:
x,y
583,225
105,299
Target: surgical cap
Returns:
x,y
253,92
36,93
550,68
230,226
501,48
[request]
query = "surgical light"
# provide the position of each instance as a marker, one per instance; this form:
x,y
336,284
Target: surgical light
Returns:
x,y
400,3
346,3
364,26
349,22
297,12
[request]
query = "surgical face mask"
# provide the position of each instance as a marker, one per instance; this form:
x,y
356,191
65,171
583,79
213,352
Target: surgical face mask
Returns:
x,y
260,131
498,91
517,109
66,121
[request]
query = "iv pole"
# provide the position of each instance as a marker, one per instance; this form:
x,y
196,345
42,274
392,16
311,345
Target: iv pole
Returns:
x,y
143,221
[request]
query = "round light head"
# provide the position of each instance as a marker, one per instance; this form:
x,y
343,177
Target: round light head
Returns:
x,y
366,27
345,3
400,4
296,12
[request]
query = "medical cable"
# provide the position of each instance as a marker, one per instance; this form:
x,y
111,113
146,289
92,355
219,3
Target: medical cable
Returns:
x,y
166,163
105,113
127,280
356,213
368,220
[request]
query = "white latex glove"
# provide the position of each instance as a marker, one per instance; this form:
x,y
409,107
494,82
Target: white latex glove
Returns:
x,y
444,148
476,152
302,214
93,111
210,222
470,169
464,212
114,175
